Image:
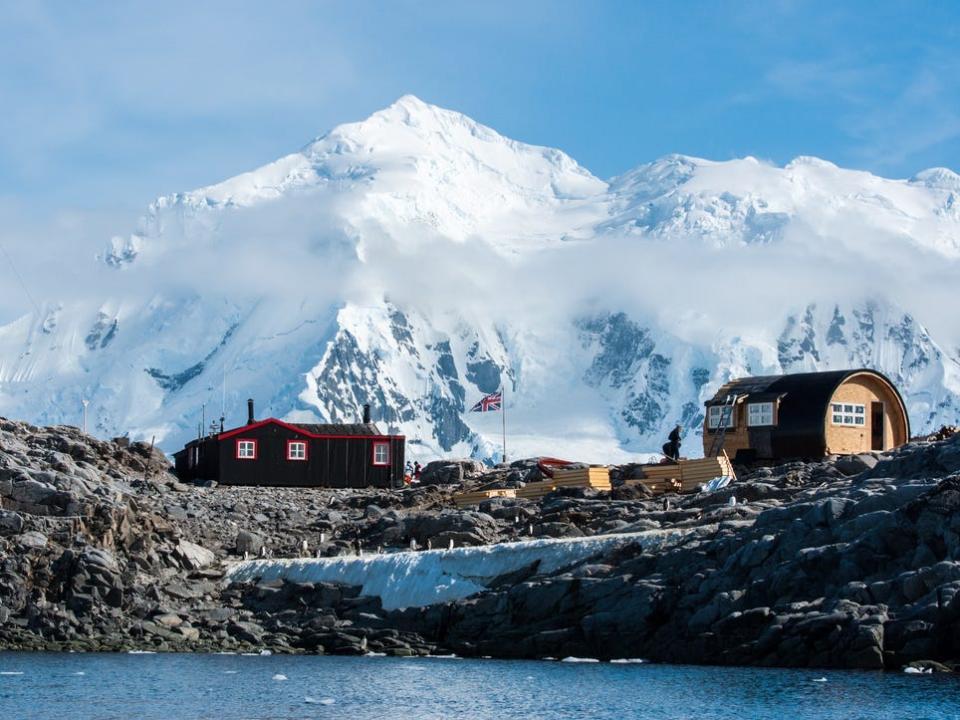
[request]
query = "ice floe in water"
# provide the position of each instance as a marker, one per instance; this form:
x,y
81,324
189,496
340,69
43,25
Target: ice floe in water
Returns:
x,y
11,672
820,679
278,677
573,659
911,670
318,701
628,661
141,652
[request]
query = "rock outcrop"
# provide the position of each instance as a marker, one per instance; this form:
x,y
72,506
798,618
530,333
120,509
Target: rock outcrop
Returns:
x,y
849,562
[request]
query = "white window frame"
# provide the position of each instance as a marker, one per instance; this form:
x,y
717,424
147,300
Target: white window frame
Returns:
x,y
760,414
246,449
300,446
715,412
847,414
378,446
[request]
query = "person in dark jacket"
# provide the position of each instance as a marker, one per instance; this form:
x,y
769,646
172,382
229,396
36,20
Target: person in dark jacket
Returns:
x,y
671,448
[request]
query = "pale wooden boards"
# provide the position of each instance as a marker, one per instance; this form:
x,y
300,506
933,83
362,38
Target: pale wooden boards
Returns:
x,y
478,496
535,490
595,476
685,475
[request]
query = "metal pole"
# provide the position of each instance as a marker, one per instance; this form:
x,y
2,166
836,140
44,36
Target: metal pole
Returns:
x,y
503,412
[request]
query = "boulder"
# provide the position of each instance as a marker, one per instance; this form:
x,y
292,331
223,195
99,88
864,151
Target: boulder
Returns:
x,y
169,620
557,529
194,556
33,540
190,634
249,632
449,472
101,558
10,523
248,542
637,491
855,464
479,527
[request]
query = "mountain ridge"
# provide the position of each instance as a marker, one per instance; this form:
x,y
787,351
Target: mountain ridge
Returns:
x,y
416,258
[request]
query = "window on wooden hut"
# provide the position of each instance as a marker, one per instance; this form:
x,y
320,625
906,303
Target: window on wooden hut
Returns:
x,y
759,414
715,412
246,449
848,414
381,453
296,450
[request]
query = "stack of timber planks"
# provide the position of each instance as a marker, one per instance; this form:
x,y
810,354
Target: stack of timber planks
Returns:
x,y
595,476
686,475
478,496
535,490
694,473
660,478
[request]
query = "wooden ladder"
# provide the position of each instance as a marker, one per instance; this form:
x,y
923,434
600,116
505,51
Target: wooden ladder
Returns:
x,y
720,432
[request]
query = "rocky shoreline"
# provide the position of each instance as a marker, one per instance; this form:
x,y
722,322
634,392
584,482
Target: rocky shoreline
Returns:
x,y
850,562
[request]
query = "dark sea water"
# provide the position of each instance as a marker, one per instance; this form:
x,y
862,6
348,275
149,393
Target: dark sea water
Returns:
x,y
81,686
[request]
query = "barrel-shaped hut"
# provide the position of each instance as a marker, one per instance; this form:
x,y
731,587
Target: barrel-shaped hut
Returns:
x,y
805,415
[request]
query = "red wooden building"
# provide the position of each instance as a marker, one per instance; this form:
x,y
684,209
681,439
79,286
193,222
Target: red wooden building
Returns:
x,y
273,452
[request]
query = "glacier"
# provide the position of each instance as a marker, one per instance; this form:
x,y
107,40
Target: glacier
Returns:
x,y
417,260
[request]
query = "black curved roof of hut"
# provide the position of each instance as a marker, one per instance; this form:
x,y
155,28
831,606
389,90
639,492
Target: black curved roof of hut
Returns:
x,y
804,397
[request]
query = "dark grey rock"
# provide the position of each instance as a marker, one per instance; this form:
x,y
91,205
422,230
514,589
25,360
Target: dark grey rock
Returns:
x,y
194,556
11,523
449,472
248,542
855,464
33,540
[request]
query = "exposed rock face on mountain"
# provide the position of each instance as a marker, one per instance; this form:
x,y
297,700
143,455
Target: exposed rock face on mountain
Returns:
x,y
418,260
853,562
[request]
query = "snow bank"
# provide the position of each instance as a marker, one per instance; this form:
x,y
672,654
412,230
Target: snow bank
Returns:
x,y
416,579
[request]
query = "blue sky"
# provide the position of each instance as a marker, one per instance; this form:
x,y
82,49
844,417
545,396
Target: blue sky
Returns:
x,y
108,105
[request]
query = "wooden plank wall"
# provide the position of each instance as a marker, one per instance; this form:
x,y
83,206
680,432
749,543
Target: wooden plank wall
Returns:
x,y
864,390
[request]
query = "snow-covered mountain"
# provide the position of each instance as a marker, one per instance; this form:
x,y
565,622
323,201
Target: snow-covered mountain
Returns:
x,y
417,260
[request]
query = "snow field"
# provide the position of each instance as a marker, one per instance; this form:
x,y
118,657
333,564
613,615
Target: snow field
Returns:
x,y
417,579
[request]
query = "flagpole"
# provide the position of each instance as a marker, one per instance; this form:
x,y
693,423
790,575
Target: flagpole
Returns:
x,y
503,407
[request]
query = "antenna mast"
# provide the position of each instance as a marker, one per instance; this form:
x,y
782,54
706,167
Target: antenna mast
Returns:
x,y
223,397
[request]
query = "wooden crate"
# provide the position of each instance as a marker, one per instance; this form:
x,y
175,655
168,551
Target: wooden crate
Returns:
x,y
478,496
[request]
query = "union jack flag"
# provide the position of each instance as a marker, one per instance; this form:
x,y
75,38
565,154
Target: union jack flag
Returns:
x,y
489,403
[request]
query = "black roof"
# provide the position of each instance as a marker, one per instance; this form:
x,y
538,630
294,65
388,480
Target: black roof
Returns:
x,y
804,398
810,385
339,428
